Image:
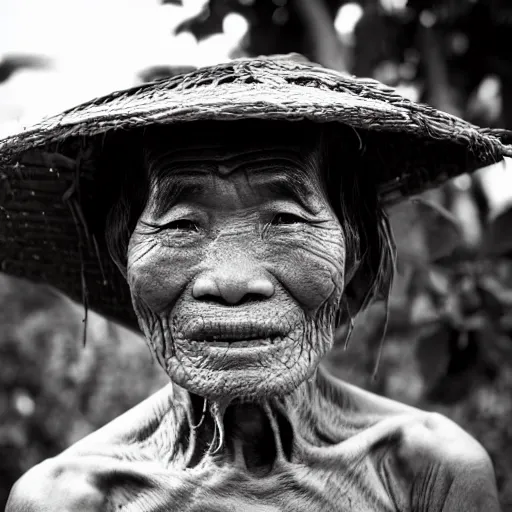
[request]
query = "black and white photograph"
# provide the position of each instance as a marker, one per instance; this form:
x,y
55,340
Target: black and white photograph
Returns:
x,y
255,256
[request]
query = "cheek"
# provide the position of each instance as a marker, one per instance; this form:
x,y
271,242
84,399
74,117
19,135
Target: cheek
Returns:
x,y
156,274
312,269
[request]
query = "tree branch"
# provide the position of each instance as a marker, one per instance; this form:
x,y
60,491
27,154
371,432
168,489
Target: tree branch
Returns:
x,y
326,46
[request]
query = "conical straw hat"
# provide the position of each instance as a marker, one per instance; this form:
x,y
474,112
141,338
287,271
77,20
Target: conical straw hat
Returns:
x,y
49,184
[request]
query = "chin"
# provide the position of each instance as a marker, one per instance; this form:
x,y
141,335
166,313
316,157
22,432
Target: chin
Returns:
x,y
248,382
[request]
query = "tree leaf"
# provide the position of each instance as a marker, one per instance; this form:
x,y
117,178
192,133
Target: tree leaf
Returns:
x,y
10,64
496,299
424,231
209,20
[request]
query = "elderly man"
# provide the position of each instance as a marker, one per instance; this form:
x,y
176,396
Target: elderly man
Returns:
x,y
236,240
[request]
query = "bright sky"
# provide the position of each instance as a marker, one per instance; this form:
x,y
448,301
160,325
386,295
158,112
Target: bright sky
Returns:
x,y
97,46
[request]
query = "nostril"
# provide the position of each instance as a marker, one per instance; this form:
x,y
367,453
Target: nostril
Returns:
x,y
215,298
206,288
251,297
230,300
260,288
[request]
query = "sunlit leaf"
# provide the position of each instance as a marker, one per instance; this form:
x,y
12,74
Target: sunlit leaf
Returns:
x,y
423,310
439,281
496,298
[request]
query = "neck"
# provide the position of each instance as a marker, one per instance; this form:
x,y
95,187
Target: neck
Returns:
x,y
254,435
250,435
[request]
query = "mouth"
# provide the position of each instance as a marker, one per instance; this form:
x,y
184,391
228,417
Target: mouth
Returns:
x,y
235,336
248,342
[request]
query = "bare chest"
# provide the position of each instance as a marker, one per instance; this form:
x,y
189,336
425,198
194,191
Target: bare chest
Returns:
x,y
288,487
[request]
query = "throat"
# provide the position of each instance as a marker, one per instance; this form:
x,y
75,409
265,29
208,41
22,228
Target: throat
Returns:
x,y
250,436
255,436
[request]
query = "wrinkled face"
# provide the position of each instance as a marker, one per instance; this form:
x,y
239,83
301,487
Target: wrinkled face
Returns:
x,y
236,267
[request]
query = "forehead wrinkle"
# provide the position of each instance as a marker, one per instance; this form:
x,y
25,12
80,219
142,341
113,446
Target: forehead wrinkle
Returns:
x,y
223,163
276,183
164,164
176,174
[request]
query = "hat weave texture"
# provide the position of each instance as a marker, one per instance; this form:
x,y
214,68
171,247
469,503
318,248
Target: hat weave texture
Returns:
x,y
48,177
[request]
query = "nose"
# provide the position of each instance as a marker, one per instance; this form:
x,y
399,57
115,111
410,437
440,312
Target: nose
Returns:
x,y
232,286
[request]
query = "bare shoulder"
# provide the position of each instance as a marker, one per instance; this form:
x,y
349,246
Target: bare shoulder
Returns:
x,y
425,460
88,483
421,437
434,436
55,484
447,467
162,411
114,463
409,428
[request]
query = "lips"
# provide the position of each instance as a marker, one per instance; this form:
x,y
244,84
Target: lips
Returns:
x,y
232,334
247,343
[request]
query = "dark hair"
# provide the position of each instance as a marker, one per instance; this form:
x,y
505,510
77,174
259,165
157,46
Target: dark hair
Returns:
x,y
353,194
350,186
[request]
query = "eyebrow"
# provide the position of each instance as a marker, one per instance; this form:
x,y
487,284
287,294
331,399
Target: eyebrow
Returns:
x,y
178,186
290,183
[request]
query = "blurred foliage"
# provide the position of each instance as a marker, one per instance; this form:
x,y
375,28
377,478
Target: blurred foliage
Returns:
x,y
11,64
53,391
454,53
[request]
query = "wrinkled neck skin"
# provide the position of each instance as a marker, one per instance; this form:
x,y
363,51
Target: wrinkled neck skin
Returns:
x,y
252,436
236,269
261,437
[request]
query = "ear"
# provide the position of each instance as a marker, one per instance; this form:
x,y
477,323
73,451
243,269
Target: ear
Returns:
x,y
424,231
498,238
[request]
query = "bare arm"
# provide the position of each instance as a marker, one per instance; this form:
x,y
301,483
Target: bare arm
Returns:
x,y
473,489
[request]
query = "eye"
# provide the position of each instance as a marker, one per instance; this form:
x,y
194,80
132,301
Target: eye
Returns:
x,y
286,218
182,225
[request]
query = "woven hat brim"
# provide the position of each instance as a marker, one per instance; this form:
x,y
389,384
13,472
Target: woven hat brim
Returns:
x,y
43,233
286,88
233,101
